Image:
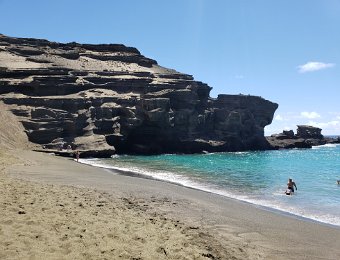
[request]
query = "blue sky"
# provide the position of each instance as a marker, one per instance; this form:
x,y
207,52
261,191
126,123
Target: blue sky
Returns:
x,y
286,51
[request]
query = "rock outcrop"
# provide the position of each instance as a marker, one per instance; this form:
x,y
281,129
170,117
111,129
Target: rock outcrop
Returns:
x,y
305,137
108,98
309,132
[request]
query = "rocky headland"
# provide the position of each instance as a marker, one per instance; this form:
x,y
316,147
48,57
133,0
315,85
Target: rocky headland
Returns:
x,y
305,137
108,98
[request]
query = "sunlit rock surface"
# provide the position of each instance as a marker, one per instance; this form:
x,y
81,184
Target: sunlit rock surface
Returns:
x,y
108,98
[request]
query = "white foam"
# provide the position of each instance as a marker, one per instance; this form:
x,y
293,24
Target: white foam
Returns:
x,y
160,175
241,152
267,202
325,146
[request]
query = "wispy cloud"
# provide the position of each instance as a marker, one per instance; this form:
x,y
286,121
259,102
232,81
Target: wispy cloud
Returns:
x,y
310,115
324,124
314,66
329,122
278,118
329,127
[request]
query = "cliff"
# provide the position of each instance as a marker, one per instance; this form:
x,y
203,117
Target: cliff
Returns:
x,y
108,98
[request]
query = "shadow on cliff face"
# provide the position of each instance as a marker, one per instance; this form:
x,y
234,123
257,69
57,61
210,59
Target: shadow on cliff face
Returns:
x,y
160,144
109,98
12,133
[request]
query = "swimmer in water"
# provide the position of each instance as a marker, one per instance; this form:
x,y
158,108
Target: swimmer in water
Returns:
x,y
290,187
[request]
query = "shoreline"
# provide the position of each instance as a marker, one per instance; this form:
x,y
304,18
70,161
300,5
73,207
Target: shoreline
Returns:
x,y
250,202
262,207
259,232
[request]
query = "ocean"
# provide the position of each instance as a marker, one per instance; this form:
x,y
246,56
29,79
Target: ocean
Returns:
x,y
258,177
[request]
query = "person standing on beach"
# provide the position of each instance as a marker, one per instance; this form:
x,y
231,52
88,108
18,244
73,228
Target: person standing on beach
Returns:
x,y
291,185
77,153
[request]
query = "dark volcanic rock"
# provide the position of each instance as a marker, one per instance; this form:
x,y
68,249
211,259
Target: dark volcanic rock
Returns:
x,y
305,131
306,137
107,98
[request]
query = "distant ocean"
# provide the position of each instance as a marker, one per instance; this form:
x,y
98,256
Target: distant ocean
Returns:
x,y
256,177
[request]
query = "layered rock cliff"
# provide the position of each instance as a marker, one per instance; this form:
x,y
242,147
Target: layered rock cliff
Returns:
x,y
109,98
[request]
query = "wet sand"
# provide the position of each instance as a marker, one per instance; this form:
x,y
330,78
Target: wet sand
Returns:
x,y
55,208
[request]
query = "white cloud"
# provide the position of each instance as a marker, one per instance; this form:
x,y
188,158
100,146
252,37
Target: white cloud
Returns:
x,y
314,66
278,118
328,122
276,128
310,115
325,124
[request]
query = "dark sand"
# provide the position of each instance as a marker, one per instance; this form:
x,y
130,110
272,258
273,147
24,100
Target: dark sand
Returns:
x,y
209,226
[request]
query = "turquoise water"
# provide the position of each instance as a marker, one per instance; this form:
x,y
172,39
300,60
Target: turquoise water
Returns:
x,y
256,177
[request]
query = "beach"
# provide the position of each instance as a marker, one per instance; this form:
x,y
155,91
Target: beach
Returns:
x,y
56,208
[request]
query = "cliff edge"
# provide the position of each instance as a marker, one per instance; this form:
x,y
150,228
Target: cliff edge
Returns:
x,y
108,98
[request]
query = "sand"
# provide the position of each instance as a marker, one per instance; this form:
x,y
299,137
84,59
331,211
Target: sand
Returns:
x,y
12,132
55,208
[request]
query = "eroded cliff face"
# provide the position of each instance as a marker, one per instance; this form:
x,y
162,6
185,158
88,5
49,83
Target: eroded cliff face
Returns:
x,y
108,98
